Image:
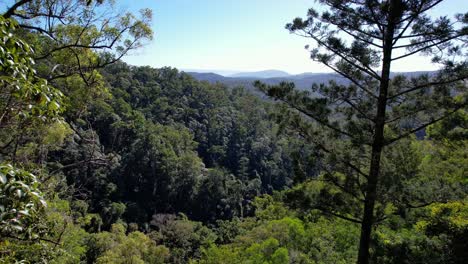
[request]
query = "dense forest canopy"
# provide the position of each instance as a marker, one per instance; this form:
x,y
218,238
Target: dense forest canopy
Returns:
x,y
105,162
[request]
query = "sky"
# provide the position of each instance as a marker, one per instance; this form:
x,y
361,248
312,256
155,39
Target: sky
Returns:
x,y
238,35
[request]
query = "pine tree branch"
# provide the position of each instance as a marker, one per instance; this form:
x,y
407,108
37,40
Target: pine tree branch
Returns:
x,y
416,35
421,86
390,141
361,39
355,35
351,219
422,10
344,57
305,135
352,105
318,120
351,11
375,18
352,79
412,18
426,47
412,44
405,115
342,188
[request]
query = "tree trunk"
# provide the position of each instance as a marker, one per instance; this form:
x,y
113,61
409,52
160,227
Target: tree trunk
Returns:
x,y
378,139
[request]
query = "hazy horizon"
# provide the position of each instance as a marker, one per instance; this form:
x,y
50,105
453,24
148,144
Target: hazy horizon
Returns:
x,y
229,73
238,36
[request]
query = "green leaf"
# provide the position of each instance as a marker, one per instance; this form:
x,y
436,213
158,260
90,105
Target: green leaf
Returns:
x,y
3,178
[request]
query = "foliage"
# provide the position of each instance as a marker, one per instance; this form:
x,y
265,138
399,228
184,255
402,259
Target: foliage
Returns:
x,y
438,236
24,95
132,248
78,36
289,240
356,125
61,241
144,165
21,203
183,237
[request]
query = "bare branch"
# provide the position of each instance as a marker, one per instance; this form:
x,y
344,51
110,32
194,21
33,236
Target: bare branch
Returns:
x,y
13,8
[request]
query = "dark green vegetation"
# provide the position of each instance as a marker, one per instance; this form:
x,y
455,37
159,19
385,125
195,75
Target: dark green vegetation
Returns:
x,y
102,162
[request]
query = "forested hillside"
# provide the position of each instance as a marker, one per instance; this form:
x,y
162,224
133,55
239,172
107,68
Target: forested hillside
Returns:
x,y
105,162
172,144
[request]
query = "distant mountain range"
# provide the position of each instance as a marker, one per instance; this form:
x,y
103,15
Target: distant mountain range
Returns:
x,y
261,74
302,81
271,77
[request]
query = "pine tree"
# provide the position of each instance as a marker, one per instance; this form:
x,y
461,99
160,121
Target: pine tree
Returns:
x,y
356,124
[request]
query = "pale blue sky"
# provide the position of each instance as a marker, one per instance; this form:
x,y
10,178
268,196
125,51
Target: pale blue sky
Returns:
x,y
242,35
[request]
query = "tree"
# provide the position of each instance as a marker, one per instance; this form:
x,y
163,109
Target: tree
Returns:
x,y
50,53
361,40
136,247
75,29
73,39
24,99
160,171
63,43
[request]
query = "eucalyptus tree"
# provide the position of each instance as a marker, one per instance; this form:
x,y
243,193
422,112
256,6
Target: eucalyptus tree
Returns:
x,y
24,98
50,53
356,125
69,33
69,40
